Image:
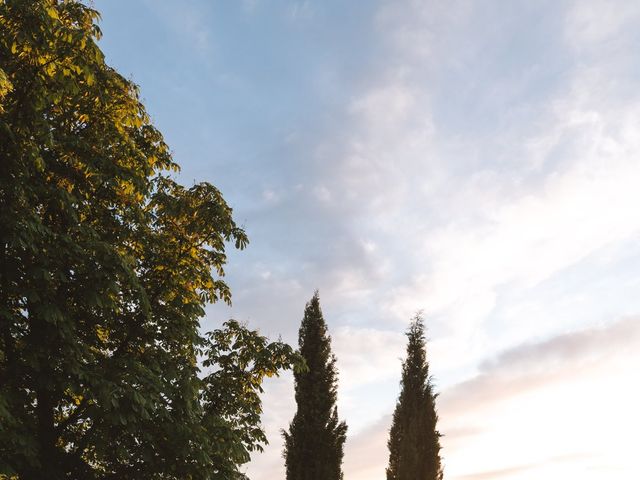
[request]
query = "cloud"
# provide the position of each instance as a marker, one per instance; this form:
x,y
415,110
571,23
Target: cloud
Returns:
x,y
471,411
367,355
366,453
468,156
417,29
598,22
502,473
535,365
553,398
566,192
515,472
529,239
277,416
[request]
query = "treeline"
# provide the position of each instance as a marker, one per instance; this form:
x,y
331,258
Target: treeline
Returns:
x,y
106,265
314,444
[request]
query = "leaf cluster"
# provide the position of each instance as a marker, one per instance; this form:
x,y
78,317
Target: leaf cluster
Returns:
x,y
106,264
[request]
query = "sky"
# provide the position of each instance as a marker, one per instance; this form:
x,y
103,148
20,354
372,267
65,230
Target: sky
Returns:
x,y
475,160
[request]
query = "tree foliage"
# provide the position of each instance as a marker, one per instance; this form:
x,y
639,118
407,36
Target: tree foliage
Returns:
x,y
105,267
314,444
414,441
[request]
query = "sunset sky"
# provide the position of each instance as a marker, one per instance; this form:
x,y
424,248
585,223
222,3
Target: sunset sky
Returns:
x,y
476,160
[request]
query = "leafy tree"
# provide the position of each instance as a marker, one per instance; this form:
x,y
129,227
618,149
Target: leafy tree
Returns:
x,y
314,444
105,267
414,441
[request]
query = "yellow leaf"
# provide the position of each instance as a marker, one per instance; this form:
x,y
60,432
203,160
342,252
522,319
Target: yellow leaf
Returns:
x,y
53,13
103,334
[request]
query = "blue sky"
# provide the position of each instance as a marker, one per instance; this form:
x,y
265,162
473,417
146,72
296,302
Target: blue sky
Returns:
x,y
476,160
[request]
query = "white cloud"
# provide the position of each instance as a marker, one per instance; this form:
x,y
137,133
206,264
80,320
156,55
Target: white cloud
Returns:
x,y
534,365
367,355
521,229
366,453
369,246
279,397
388,148
414,28
551,407
270,196
592,23
464,169
322,193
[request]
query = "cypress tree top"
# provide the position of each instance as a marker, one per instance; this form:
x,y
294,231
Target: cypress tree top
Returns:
x,y
314,444
414,441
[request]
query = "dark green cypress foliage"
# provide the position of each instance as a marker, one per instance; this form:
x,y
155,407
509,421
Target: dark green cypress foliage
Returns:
x,y
414,441
314,444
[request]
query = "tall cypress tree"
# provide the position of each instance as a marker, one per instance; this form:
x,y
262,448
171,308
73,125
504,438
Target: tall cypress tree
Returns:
x,y
414,441
314,444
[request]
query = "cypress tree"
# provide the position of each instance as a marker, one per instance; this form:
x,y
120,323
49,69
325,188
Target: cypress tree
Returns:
x,y
414,441
314,444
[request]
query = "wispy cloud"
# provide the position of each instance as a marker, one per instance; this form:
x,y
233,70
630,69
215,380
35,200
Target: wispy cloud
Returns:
x,y
467,202
534,365
475,160
471,411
